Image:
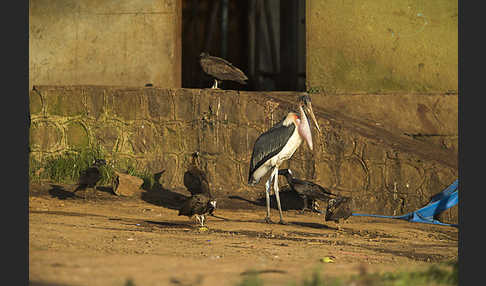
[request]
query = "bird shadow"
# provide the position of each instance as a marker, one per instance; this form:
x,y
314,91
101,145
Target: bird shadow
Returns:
x,y
59,192
163,197
312,225
289,200
166,224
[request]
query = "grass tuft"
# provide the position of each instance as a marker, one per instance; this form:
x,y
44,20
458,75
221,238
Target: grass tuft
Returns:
x,y
66,168
434,275
251,279
144,174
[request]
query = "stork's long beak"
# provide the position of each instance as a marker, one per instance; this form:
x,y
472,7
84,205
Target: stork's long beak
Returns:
x,y
311,113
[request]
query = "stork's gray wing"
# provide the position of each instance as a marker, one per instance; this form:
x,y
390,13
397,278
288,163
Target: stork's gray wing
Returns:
x,y
269,144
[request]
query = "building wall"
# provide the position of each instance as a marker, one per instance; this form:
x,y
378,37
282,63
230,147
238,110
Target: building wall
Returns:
x,y
390,162
382,46
105,42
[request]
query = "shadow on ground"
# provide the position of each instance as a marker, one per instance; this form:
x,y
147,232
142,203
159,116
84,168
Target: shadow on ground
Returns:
x,y
313,225
289,200
66,192
160,196
59,192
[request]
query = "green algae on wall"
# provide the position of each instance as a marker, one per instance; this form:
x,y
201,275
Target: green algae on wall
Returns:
x,y
367,149
77,135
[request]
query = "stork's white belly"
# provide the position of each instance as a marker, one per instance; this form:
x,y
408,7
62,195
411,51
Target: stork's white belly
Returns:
x,y
288,150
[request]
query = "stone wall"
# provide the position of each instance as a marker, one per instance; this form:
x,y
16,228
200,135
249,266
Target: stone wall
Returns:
x,y
111,42
390,152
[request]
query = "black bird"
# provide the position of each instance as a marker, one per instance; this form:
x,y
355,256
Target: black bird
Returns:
x,y
338,208
91,176
201,201
278,144
198,205
221,69
307,190
195,179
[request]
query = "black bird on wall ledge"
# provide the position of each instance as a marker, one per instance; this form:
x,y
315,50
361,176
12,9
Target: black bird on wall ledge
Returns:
x,y
221,69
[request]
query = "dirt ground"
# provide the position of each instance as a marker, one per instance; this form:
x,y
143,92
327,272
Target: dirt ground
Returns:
x,y
102,239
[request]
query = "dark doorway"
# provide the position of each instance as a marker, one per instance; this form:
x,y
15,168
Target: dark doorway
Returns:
x,y
264,38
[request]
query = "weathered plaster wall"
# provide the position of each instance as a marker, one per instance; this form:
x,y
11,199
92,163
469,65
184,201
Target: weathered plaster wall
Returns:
x,y
382,46
359,153
105,42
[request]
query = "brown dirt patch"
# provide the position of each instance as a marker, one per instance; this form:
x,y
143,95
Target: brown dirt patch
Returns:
x,y
108,240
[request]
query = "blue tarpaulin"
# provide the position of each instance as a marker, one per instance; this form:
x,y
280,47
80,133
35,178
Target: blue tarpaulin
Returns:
x,y
438,203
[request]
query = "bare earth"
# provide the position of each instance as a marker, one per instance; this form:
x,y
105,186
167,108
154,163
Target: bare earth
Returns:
x,y
110,240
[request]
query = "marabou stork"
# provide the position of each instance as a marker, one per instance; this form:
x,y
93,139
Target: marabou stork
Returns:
x,y
221,69
278,144
307,190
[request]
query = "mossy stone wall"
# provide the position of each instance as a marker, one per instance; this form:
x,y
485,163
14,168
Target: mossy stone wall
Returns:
x,y
389,152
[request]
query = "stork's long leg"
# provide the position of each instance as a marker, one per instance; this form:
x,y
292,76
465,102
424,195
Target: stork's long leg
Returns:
x,y
267,195
275,188
215,84
315,207
306,205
